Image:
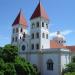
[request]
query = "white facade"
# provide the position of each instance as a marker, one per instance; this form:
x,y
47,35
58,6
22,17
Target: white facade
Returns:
x,y
35,47
19,39
42,41
60,57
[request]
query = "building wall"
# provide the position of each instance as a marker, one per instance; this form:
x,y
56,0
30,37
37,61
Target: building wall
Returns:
x,y
40,58
55,58
43,42
20,42
42,64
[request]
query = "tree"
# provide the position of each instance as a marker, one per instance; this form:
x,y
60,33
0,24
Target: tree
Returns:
x,y
12,64
73,59
1,51
9,69
1,66
70,69
22,66
9,53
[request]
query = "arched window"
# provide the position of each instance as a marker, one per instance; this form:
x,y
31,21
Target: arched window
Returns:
x,y
33,25
16,39
13,39
32,46
47,26
32,35
42,24
23,47
37,24
43,35
37,35
49,64
20,37
46,36
37,46
16,30
24,35
21,30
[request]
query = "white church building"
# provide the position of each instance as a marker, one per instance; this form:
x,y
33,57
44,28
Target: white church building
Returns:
x,y
50,56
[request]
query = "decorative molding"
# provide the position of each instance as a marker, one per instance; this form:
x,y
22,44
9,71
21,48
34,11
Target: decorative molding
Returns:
x,y
55,51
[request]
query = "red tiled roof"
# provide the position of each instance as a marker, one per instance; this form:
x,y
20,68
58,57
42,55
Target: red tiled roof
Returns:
x,y
20,20
72,48
39,12
53,44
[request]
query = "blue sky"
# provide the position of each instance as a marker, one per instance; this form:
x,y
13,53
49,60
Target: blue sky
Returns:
x,y
61,14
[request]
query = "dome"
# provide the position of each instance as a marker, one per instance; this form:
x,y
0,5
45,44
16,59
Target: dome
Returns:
x,y
59,36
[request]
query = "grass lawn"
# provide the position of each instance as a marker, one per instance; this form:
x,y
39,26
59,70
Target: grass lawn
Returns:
x,y
70,73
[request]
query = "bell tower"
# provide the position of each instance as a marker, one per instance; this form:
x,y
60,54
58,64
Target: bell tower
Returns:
x,y
39,29
19,32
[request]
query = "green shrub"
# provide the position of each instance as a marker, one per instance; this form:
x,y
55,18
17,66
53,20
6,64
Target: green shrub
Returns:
x,y
12,64
70,73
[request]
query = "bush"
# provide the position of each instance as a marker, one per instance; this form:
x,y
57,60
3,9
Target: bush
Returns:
x,y
12,64
70,73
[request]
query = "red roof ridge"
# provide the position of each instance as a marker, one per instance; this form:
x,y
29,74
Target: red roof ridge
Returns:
x,y
20,19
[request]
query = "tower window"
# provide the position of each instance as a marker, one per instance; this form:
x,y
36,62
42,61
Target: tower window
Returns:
x,y
13,39
16,30
37,46
32,46
23,47
37,35
46,36
42,24
20,37
43,35
47,26
21,30
32,36
33,25
50,64
16,39
37,24
24,35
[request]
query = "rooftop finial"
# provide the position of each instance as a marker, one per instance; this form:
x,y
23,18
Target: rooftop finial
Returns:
x,y
58,32
20,9
39,1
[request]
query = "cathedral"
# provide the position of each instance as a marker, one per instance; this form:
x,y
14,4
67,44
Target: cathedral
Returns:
x,y
49,55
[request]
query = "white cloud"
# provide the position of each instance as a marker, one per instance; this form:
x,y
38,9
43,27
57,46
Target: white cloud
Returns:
x,y
52,34
66,32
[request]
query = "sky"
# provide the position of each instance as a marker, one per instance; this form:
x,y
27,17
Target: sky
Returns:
x,y
61,14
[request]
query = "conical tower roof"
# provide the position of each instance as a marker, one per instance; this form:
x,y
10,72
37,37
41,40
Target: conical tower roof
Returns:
x,y
20,20
39,12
